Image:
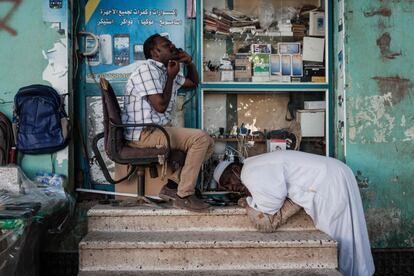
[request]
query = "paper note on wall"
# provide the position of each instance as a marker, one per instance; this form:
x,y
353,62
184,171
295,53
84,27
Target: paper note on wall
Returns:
x,y
313,49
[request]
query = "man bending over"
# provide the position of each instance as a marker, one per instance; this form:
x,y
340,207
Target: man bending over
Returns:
x,y
282,182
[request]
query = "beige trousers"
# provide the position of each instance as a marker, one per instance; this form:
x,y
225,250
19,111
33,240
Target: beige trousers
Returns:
x,y
195,142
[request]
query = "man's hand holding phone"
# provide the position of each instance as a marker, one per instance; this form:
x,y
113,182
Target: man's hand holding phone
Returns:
x,y
173,68
184,57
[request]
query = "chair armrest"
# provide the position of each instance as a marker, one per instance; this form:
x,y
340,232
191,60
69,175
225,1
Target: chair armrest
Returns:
x,y
102,164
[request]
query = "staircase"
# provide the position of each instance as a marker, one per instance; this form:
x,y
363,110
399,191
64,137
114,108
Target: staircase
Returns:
x,y
166,241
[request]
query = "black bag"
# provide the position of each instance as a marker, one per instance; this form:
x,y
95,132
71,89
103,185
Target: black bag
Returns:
x,y
40,120
6,139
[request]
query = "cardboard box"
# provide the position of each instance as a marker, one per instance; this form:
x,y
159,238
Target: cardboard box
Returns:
x,y
318,79
242,59
312,122
260,78
243,73
246,67
261,48
317,23
243,68
275,144
314,104
227,75
242,63
152,185
310,72
261,59
211,76
243,79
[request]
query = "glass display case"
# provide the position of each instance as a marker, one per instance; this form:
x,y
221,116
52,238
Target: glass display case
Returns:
x,y
264,69
266,82
251,119
258,41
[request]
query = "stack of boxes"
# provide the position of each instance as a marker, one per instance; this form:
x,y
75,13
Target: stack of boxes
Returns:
x,y
261,62
312,119
264,64
261,67
243,68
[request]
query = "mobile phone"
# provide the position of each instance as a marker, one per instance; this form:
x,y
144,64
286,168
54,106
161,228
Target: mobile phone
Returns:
x,y
89,45
297,67
55,4
288,48
274,65
139,52
286,65
121,49
105,48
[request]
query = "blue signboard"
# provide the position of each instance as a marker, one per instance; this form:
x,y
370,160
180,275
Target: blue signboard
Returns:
x,y
120,29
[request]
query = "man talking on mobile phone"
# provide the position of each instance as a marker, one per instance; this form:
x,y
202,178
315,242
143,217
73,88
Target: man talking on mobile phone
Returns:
x,y
150,96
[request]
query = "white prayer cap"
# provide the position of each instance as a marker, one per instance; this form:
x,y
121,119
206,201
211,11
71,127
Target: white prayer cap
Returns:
x,y
218,171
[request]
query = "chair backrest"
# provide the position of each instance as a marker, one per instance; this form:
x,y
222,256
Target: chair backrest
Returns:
x,y
116,146
111,113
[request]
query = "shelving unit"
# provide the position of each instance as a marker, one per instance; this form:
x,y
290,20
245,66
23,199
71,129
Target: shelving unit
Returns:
x,y
225,103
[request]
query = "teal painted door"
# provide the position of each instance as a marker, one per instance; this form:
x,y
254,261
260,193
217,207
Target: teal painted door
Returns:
x,y
380,115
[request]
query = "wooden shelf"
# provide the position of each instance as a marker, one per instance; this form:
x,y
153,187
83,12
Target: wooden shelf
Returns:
x,y
239,139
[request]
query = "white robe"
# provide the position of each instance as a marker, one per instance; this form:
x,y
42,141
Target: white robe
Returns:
x,y
326,188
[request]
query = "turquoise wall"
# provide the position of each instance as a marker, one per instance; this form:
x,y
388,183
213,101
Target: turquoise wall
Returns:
x,y
22,63
380,116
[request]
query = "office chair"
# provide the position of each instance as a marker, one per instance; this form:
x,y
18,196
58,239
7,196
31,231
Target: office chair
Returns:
x,y
119,151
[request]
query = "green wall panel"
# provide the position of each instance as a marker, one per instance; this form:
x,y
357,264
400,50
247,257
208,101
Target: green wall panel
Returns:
x,y
22,63
380,117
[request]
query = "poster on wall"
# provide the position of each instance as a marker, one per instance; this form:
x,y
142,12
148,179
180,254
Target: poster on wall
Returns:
x,y
120,29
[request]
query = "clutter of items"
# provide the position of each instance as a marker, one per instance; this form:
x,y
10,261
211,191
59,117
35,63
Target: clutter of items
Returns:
x,y
280,44
28,211
246,124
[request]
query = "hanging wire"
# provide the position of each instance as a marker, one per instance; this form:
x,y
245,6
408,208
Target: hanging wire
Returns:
x,y
193,32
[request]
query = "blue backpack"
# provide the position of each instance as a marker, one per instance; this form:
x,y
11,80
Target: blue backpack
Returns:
x,y
40,122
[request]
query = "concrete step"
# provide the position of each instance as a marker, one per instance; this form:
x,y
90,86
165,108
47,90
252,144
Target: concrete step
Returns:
x,y
269,272
143,218
179,250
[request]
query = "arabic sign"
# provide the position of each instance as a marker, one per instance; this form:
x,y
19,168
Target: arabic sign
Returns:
x,y
122,27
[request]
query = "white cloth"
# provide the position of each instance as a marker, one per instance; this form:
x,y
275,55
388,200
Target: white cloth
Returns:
x,y
326,188
218,171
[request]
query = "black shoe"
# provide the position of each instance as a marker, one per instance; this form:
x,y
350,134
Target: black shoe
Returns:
x,y
191,203
168,194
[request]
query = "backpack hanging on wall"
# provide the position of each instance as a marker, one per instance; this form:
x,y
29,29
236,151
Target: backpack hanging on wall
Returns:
x,y
39,120
6,139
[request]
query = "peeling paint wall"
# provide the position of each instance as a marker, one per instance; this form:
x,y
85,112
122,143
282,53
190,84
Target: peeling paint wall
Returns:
x,y
379,62
33,50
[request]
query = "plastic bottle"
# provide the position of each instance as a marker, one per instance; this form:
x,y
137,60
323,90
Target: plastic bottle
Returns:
x,y
43,178
39,178
56,181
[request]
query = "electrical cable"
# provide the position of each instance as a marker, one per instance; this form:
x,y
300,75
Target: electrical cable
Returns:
x,y
193,52
75,39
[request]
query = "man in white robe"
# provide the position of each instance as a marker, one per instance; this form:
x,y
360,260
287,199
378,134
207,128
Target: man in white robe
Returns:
x,y
326,189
